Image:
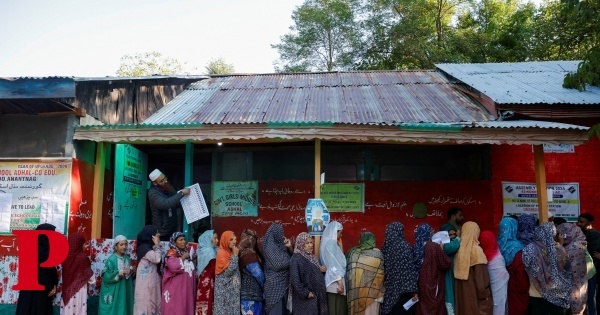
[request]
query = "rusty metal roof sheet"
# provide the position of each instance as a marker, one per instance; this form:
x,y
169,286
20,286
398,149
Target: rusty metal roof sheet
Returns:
x,y
364,97
523,82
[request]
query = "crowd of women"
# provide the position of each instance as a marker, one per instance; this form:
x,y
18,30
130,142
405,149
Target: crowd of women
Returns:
x,y
540,269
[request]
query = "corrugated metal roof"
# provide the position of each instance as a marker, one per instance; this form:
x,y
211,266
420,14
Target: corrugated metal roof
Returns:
x,y
523,82
366,97
519,124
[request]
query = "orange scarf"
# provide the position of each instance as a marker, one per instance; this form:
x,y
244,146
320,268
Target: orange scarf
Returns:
x,y
224,253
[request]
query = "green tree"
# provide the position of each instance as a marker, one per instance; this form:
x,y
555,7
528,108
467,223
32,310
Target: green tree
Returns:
x,y
586,12
219,66
147,64
409,34
325,37
494,31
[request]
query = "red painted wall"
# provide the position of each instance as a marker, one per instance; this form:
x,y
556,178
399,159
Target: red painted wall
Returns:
x,y
515,163
284,201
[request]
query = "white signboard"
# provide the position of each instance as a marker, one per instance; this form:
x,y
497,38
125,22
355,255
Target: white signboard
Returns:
x,y
194,205
521,198
5,205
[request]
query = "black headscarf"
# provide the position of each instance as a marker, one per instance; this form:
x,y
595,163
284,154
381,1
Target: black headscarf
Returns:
x,y
144,241
43,242
277,263
400,270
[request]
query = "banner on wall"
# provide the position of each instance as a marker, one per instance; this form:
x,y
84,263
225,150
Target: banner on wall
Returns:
x,y
521,198
39,189
317,216
344,197
235,199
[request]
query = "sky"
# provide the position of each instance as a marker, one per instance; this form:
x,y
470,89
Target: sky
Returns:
x,y
88,38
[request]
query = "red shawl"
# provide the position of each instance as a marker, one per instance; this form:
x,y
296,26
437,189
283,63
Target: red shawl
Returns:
x,y
76,268
489,244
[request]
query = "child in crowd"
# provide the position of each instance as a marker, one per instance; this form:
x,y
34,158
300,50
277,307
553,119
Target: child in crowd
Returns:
x,y
116,292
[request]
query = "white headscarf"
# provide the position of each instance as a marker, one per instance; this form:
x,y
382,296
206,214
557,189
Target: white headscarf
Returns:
x,y
331,254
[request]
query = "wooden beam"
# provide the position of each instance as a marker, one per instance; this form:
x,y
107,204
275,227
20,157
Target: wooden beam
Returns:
x,y
317,188
188,181
317,168
540,182
98,196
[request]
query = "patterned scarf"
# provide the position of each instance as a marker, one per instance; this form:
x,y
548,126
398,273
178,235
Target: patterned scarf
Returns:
x,y
76,268
248,249
470,253
300,242
277,262
367,241
544,262
507,239
224,253
400,272
422,235
575,245
526,229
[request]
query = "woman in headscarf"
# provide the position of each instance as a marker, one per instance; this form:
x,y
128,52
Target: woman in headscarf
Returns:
x,y
472,280
207,254
253,277
497,270
148,280
400,279
227,279
39,302
422,236
526,231
431,280
512,252
450,250
306,278
332,257
547,265
573,240
116,291
277,252
179,278
76,275
365,274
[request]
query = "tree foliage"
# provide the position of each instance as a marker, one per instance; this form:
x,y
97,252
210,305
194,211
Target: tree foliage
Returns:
x,y
147,64
219,66
324,37
587,13
416,34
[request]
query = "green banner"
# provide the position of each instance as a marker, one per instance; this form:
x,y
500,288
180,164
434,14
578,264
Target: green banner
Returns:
x,y
344,197
235,199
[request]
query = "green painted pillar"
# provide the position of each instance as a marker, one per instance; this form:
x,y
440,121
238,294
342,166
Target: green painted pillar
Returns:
x,y
188,181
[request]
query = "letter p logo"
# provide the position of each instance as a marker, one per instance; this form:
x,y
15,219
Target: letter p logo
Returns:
x,y
58,248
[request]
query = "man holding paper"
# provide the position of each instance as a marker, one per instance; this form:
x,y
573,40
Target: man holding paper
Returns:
x,y
165,204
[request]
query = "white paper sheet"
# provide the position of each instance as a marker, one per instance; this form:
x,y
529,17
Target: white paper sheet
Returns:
x,y
5,205
410,303
194,205
441,237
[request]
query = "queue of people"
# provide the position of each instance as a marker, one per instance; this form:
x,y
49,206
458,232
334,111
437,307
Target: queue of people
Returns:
x,y
542,268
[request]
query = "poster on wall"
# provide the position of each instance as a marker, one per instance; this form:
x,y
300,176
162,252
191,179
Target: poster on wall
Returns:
x,y
317,216
235,199
521,198
344,197
40,192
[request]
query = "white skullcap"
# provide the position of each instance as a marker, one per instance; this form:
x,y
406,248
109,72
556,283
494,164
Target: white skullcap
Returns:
x,y
154,175
118,239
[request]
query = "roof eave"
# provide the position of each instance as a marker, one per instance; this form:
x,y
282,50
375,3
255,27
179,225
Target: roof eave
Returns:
x,y
261,133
